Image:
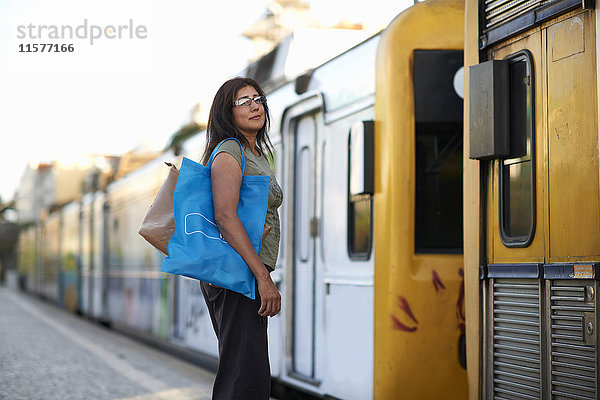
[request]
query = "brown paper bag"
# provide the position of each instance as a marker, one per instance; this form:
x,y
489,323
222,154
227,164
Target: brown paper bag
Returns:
x,y
159,224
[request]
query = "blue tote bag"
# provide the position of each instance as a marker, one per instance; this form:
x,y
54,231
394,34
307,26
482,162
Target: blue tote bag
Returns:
x,y
197,249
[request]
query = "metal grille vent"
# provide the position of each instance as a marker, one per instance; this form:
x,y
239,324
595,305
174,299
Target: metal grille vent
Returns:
x,y
516,339
573,347
499,11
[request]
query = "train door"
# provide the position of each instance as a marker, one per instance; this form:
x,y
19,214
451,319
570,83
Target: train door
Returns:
x,y
302,301
97,246
305,262
515,239
540,211
86,232
105,258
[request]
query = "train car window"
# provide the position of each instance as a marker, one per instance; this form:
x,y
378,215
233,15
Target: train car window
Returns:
x,y
304,210
359,226
438,151
360,190
517,183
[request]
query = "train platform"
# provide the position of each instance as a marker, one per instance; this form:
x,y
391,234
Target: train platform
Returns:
x,y
47,353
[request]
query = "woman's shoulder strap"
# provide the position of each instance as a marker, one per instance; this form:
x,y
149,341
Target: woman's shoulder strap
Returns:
x,y
230,146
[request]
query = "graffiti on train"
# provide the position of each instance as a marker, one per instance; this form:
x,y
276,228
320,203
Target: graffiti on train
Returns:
x,y
404,306
437,282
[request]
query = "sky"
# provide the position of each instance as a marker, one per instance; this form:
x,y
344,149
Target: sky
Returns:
x,y
137,69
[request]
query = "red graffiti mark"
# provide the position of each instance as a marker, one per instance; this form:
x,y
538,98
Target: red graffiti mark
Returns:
x,y
437,282
460,303
404,306
400,326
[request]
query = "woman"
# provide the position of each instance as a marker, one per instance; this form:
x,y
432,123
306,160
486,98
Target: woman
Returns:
x,y
240,111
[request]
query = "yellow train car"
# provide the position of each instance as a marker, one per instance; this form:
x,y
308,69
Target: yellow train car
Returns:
x,y
419,307
531,199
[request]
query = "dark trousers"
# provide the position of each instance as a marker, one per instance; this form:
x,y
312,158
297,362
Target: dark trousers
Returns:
x,y
244,372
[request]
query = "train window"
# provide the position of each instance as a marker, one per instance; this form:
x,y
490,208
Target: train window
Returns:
x,y
517,183
304,208
359,226
438,151
360,190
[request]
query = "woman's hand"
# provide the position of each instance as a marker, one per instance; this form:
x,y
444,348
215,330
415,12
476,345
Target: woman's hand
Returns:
x,y
270,299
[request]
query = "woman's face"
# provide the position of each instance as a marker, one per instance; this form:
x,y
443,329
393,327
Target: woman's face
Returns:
x,y
249,119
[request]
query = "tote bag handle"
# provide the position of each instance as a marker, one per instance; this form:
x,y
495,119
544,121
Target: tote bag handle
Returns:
x,y
214,153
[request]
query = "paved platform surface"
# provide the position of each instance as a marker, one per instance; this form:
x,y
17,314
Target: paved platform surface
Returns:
x,y
49,354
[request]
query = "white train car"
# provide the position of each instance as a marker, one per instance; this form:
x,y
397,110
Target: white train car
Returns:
x,y
325,267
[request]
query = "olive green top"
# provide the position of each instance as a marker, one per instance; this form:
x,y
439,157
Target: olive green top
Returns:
x,y
258,165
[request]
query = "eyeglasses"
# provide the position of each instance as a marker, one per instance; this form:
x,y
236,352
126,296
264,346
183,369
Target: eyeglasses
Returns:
x,y
246,101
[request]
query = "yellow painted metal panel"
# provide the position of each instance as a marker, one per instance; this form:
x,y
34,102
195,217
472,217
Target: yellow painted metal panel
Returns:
x,y
417,327
574,230
473,235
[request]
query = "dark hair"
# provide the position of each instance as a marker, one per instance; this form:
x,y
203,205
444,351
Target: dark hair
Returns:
x,y
220,119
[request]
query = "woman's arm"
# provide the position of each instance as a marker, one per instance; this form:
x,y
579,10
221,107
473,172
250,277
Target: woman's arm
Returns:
x,y
226,181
